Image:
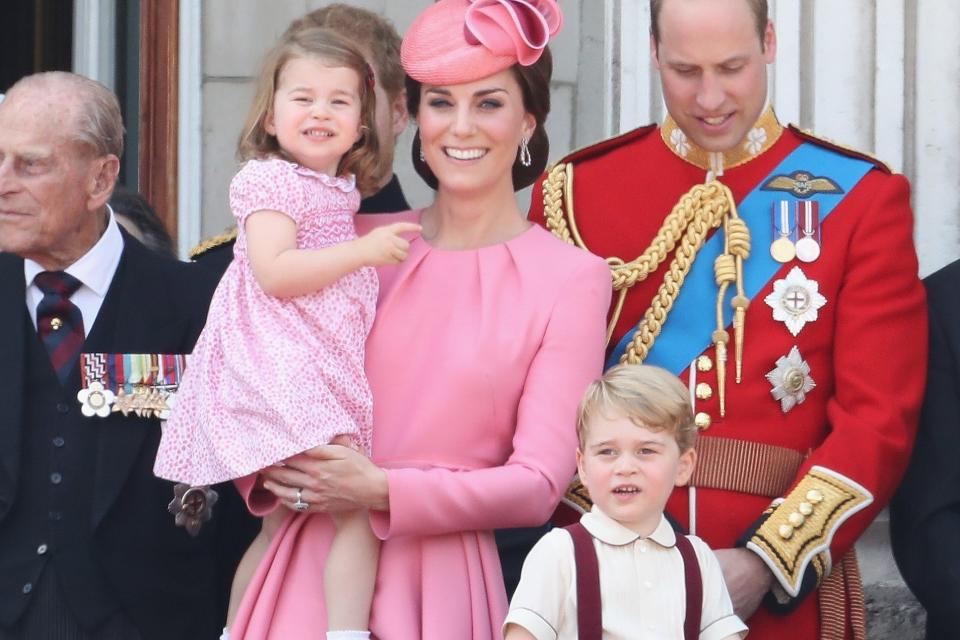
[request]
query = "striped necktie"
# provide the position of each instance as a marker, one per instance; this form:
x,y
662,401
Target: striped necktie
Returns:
x,y
59,321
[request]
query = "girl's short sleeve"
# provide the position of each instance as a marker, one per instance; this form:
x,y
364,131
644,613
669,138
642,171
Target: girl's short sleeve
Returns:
x,y
267,185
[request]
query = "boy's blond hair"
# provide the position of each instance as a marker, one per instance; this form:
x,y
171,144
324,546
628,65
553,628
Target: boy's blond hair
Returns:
x,y
646,395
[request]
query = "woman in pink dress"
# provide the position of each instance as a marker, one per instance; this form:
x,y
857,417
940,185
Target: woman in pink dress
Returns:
x,y
485,338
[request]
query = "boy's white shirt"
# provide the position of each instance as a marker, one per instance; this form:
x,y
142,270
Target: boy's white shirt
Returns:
x,y
641,584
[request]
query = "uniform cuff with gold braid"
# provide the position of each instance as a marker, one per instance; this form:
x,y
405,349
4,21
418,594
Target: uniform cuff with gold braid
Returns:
x,y
793,537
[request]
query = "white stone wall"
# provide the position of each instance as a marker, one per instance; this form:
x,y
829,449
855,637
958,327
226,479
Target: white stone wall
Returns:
x,y
237,33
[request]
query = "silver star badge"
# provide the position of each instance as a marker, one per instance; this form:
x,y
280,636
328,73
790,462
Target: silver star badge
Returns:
x,y
791,380
795,300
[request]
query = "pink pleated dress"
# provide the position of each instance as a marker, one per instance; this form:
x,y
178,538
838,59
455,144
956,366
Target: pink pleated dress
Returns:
x,y
272,377
477,361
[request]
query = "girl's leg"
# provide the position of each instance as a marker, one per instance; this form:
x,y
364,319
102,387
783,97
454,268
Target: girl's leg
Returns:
x,y
350,572
251,560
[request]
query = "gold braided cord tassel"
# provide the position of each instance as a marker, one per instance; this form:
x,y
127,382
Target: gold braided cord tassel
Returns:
x,y
684,231
738,238
553,191
701,209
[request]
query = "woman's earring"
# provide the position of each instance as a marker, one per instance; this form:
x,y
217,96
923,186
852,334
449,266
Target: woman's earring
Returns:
x,y
422,159
525,158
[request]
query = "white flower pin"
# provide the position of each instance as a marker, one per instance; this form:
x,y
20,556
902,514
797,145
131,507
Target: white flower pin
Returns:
x,y
95,400
679,141
795,300
755,140
791,380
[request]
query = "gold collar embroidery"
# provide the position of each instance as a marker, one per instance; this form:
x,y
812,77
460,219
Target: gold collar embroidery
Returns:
x,y
761,137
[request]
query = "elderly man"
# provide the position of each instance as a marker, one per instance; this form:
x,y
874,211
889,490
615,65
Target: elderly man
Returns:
x,y
799,324
87,547
380,43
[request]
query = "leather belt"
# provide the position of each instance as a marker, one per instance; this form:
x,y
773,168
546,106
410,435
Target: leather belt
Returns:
x,y
746,467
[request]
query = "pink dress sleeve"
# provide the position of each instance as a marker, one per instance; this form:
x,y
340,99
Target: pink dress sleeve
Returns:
x,y
525,490
267,185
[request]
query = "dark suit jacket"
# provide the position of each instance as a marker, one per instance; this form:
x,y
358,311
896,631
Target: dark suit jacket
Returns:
x,y
925,514
169,584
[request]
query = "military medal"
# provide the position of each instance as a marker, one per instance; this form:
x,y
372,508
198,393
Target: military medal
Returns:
x,y
795,300
143,384
782,248
791,380
808,220
192,506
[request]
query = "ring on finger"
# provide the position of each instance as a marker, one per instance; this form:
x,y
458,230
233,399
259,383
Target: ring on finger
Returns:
x,y
301,504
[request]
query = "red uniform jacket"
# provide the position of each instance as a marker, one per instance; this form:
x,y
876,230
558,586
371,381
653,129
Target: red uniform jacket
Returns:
x,y
841,452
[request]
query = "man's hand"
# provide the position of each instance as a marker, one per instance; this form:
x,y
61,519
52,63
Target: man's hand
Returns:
x,y
747,578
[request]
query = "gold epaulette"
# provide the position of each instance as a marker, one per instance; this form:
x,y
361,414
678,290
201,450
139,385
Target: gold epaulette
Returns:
x,y
810,136
799,530
213,243
577,497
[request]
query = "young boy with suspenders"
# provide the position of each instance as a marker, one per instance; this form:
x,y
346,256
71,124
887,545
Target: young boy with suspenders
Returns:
x,y
622,571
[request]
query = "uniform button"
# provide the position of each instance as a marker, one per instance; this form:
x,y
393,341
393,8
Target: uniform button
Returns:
x,y
704,391
704,364
55,478
63,407
643,546
42,549
27,588
703,421
58,441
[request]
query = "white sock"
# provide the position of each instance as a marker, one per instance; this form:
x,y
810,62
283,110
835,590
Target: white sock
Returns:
x,y
348,635
225,635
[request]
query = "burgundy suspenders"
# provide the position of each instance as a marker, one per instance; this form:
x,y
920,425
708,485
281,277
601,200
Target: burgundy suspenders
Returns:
x,y
588,585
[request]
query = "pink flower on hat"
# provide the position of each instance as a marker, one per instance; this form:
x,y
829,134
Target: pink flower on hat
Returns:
x,y
516,28
457,41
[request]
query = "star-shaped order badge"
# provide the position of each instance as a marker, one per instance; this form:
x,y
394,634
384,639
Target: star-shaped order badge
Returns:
x,y
192,506
795,300
791,380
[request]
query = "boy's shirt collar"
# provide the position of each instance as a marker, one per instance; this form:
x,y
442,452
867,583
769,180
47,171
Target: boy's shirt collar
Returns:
x,y
609,531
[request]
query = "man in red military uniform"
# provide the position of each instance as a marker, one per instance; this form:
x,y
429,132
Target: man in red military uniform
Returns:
x,y
776,273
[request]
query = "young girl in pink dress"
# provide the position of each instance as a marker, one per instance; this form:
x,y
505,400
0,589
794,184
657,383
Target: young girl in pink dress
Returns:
x,y
278,368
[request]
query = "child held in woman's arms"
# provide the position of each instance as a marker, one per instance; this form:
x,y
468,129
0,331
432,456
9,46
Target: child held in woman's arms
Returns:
x,y
278,368
622,572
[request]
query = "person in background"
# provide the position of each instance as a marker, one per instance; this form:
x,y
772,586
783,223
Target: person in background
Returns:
x,y
87,546
379,41
640,577
474,388
799,324
139,219
925,512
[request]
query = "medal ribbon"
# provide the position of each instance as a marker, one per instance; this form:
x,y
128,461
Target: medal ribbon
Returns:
x,y
687,332
124,370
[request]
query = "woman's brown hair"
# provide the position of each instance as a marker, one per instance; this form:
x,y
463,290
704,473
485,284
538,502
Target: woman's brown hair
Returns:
x,y
363,160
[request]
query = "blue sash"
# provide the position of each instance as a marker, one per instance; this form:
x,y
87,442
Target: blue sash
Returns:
x,y
691,322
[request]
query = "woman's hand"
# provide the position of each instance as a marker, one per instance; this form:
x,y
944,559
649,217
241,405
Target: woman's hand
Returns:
x,y
331,478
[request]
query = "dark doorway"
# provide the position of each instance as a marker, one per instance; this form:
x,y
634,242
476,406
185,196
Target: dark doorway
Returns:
x,y
37,35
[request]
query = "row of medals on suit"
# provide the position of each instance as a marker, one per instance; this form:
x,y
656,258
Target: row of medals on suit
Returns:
x,y
795,299
147,391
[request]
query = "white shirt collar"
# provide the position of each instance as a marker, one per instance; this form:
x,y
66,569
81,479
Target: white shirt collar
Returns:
x,y
608,530
96,267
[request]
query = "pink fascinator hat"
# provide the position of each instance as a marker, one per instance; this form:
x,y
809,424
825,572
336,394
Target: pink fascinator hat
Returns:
x,y
457,41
